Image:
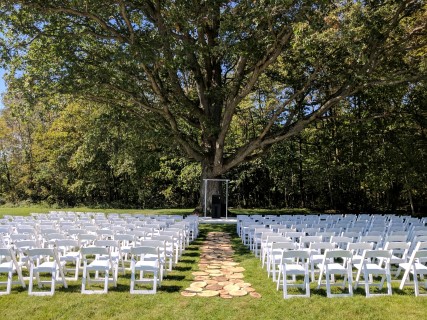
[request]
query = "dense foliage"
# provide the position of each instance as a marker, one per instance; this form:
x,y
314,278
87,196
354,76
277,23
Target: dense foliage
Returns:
x,y
369,153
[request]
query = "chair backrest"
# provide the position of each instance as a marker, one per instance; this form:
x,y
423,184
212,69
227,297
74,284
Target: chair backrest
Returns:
x,y
26,244
359,247
283,246
144,250
420,254
112,245
341,241
305,241
124,237
276,238
64,245
48,254
338,254
397,246
6,253
87,239
21,236
294,235
295,254
94,251
377,254
321,246
396,238
37,252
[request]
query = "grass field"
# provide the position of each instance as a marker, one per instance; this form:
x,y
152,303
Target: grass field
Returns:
x,y
169,304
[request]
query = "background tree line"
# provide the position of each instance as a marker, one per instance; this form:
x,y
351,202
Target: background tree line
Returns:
x,y
367,154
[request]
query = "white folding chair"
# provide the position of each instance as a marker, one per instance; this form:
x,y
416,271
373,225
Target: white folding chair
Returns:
x,y
341,242
266,246
399,253
87,239
294,263
145,260
69,253
274,257
317,251
126,242
357,249
9,265
417,267
97,260
161,244
337,262
170,249
374,263
44,260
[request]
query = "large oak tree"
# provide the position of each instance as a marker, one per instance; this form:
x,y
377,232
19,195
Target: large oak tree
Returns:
x,y
202,68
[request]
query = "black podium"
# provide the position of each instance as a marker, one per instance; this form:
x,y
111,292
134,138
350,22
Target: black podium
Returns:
x,y
216,206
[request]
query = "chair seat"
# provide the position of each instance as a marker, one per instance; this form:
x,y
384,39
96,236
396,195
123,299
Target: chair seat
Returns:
x,y
46,267
293,268
6,266
421,268
99,265
146,265
70,256
336,268
374,268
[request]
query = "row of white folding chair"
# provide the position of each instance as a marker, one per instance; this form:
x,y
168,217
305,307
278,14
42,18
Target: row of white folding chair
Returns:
x,y
40,260
96,259
46,238
276,244
334,262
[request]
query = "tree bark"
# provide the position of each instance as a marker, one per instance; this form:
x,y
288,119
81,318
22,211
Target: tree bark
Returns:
x,y
209,188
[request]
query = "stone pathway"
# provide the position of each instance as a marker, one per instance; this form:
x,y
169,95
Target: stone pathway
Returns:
x,y
219,275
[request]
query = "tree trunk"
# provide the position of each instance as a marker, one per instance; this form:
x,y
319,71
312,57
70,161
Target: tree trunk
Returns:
x,y
209,188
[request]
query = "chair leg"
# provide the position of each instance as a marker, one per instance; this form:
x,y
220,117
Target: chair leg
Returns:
x,y
30,285
106,281
285,286
52,283
84,279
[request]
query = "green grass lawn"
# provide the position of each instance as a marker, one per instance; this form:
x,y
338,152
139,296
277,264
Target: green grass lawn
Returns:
x,y
169,304
24,211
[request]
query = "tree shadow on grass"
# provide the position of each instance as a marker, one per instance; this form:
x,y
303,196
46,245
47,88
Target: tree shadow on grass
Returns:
x,y
174,277
187,261
170,288
191,254
181,268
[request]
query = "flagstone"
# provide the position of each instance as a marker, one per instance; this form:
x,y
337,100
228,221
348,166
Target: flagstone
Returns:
x,y
255,294
199,284
238,293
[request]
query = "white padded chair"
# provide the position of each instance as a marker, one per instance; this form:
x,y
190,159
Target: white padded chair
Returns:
x,y
69,253
44,260
337,262
374,262
399,253
294,263
9,265
317,251
274,257
97,260
145,260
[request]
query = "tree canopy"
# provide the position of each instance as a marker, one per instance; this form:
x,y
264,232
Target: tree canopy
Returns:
x,y
227,80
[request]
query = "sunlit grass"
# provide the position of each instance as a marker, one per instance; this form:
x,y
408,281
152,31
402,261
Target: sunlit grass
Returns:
x,y
25,211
